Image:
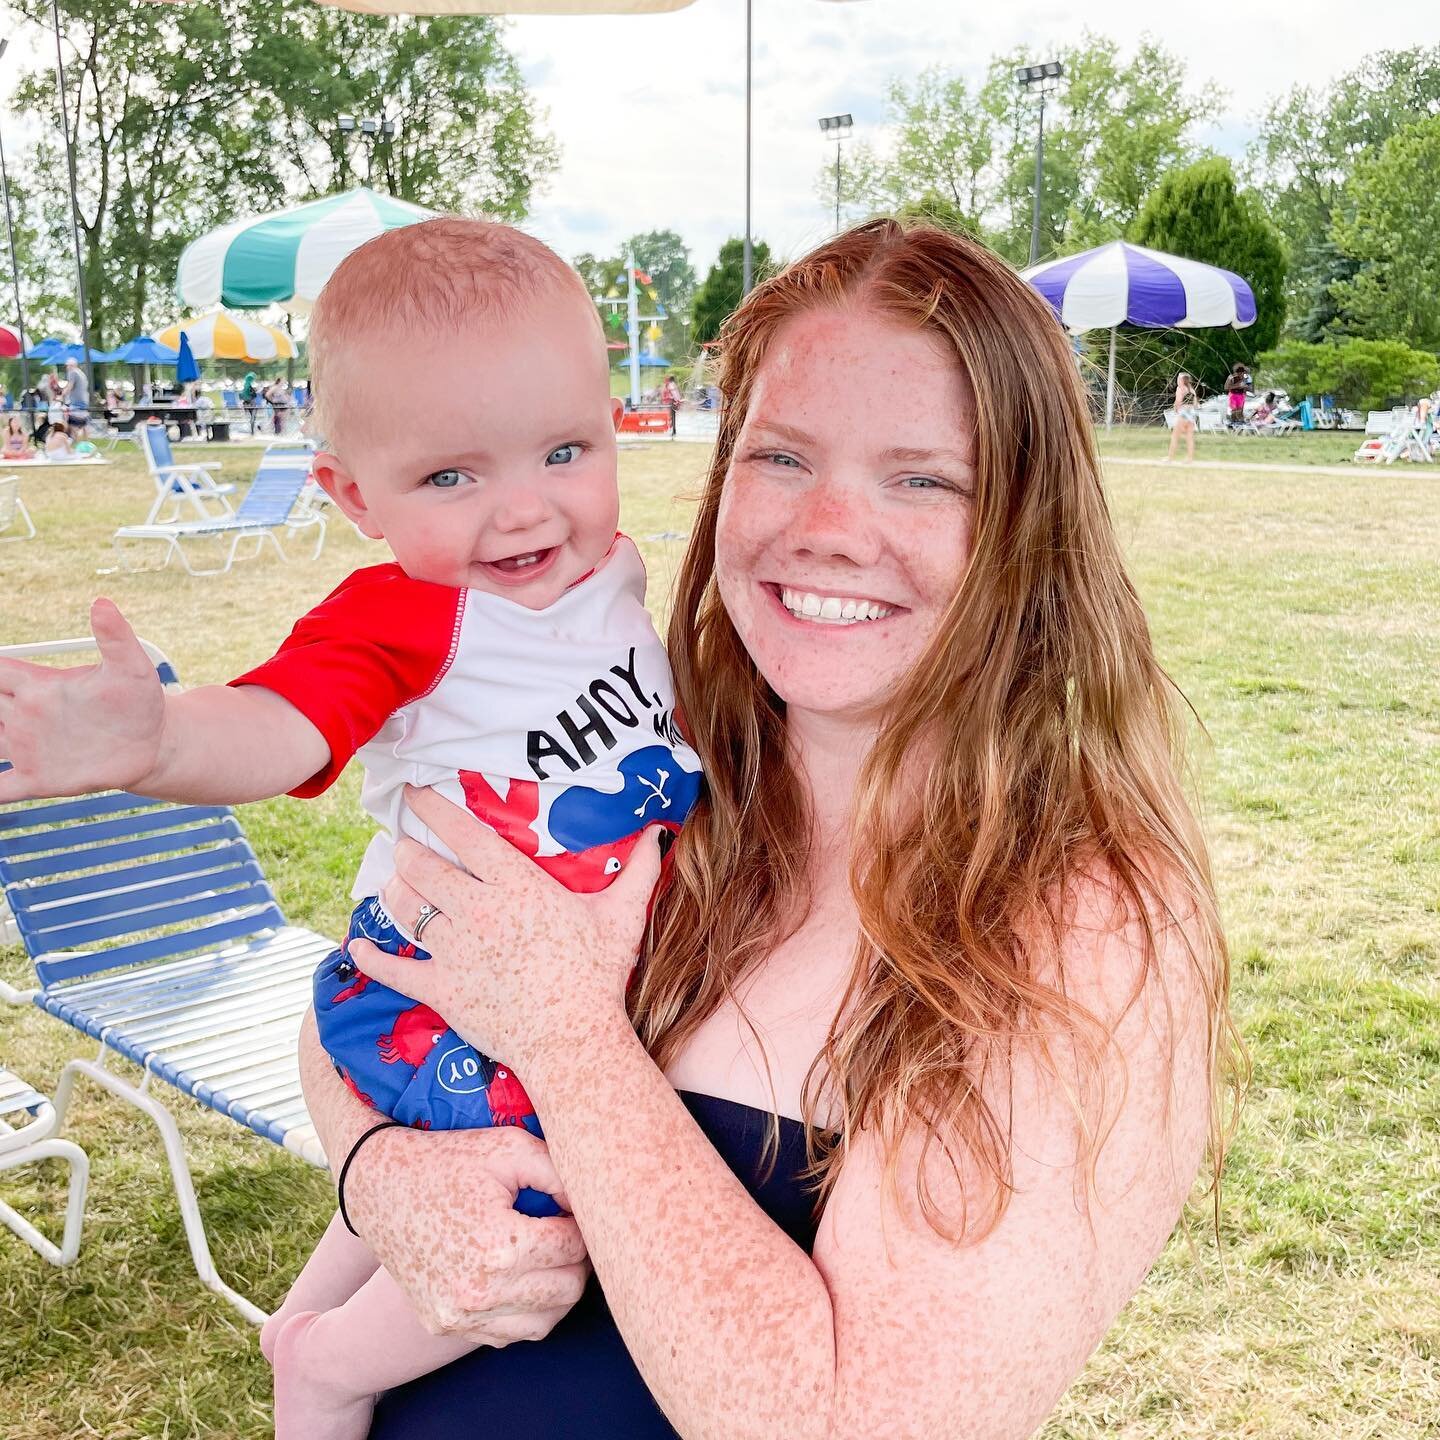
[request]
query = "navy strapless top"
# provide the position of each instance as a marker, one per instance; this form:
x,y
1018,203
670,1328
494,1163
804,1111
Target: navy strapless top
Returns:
x,y
580,1383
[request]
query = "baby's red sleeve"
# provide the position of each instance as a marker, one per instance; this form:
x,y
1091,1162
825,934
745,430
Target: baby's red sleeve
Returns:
x,y
369,648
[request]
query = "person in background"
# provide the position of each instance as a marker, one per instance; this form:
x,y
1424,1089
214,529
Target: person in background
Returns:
x,y
76,397
58,444
1186,414
16,445
249,401
279,397
1236,384
1265,409
670,398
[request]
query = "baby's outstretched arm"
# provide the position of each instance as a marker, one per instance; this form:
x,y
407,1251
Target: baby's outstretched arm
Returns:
x,y
111,725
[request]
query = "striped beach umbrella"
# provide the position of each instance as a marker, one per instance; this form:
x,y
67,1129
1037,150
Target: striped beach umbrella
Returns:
x,y
285,258
228,337
1122,284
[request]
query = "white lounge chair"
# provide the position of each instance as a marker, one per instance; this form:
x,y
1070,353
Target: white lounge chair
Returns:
x,y
13,513
182,492
279,504
28,1125
153,930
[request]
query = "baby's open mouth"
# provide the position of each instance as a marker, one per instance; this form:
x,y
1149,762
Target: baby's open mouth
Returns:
x,y
519,564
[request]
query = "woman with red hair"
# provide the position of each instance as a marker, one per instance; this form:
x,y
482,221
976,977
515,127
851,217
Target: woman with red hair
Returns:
x,y
931,1028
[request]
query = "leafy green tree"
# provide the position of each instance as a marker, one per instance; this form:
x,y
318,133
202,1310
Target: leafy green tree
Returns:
x,y
183,116
1366,374
720,292
467,136
1199,213
1309,144
1392,232
1112,129
937,210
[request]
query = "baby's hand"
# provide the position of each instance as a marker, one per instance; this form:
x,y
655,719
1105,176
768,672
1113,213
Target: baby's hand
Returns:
x,y
94,727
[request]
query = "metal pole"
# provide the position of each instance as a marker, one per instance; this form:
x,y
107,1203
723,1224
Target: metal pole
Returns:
x,y
14,271
632,329
74,202
749,267
1110,384
1039,173
837,186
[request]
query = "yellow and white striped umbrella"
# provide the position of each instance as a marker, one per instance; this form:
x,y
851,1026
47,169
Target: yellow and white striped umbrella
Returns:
x,y
228,337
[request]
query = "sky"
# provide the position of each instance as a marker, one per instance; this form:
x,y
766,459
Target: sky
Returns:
x,y
649,111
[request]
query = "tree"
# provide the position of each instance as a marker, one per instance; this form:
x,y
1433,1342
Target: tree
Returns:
x,y
1199,213
721,290
1390,231
467,137
1309,144
1112,129
183,116
1365,374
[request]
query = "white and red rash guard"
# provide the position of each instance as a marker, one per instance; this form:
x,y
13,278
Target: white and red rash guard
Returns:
x,y
555,726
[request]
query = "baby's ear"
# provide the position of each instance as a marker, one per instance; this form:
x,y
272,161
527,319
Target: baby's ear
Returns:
x,y
617,409
340,485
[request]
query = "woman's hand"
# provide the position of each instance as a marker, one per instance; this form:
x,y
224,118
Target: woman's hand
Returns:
x,y
437,1211
518,962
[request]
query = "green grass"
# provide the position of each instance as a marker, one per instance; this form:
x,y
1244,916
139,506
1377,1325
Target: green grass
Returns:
x,y
1302,618
1315,447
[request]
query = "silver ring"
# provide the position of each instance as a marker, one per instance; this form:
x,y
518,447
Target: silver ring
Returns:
x,y
427,913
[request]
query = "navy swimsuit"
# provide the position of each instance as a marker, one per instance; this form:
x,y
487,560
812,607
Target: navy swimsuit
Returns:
x,y
580,1383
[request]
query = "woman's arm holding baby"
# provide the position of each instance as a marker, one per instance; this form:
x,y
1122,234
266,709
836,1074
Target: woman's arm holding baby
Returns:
x,y
514,1277
112,725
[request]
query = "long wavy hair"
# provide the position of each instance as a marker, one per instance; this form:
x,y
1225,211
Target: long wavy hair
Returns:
x,y
1048,741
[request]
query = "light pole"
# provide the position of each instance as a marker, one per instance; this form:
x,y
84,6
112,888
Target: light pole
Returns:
x,y
748,273
1038,80
837,128
14,258
372,127
74,204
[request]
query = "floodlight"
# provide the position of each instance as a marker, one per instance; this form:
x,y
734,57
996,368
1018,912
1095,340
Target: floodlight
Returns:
x,y
345,122
369,126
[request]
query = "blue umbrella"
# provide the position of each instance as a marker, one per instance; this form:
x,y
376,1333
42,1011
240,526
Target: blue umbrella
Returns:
x,y
1120,284
187,368
143,350
650,359
46,349
77,353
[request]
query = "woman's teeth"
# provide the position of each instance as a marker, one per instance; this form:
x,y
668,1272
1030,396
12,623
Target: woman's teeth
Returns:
x,y
831,609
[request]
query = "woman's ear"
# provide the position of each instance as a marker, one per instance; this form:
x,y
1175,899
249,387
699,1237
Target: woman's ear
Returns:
x,y
340,485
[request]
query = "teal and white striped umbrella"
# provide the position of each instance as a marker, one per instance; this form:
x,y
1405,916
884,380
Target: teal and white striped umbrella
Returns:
x,y
285,258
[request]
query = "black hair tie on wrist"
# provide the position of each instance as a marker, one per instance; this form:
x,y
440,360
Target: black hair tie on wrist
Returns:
x,y
345,1168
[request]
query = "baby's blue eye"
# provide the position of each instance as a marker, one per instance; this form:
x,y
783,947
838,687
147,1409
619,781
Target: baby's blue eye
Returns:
x,y
445,479
561,455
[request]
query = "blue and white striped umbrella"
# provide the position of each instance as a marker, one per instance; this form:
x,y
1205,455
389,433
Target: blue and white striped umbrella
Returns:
x,y
1123,284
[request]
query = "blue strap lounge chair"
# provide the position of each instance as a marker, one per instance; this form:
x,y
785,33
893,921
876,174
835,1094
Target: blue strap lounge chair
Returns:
x,y
279,503
181,491
154,931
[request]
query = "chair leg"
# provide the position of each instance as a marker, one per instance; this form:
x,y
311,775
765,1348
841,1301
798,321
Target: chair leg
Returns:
x,y
179,1169
79,1165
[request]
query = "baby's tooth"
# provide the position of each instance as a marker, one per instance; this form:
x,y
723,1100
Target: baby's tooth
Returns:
x,y
830,608
810,605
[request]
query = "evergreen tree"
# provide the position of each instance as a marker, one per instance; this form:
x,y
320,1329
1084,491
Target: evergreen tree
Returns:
x,y
1200,213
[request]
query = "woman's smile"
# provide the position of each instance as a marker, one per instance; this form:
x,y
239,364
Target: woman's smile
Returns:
x,y
824,607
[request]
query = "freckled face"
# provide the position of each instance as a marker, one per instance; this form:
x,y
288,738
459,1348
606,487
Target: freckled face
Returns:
x,y
844,523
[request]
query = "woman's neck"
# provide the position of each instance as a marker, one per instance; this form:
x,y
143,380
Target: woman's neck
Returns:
x,y
829,751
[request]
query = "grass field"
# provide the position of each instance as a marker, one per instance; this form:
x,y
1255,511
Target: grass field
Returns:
x,y
1315,447
1300,613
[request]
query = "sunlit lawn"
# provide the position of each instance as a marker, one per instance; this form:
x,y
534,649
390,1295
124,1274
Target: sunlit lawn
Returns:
x,y
1301,613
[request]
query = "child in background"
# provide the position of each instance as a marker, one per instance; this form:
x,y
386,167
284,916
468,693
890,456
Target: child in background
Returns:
x,y
505,657
58,444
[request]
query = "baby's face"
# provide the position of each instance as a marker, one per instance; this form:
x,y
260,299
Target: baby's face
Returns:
x,y
485,458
